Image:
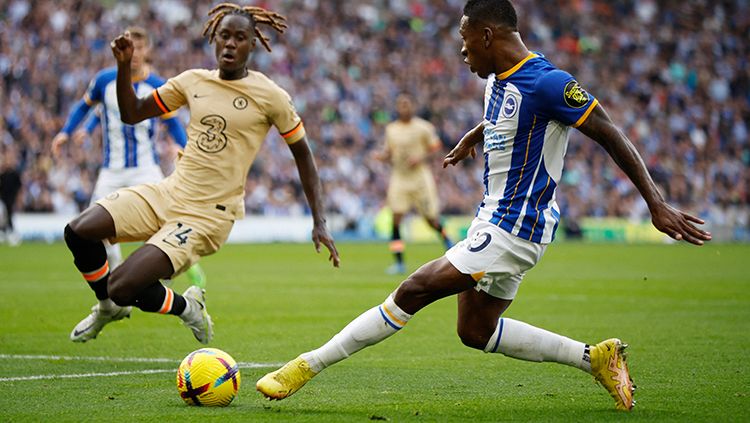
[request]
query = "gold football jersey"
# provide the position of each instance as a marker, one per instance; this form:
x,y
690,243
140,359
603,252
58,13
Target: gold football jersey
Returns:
x,y
412,140
228,122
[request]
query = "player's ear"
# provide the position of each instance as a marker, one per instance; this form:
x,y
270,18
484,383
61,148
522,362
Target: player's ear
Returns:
x,y
487,37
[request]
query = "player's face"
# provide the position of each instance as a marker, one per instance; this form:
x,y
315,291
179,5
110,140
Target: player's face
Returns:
x,y
140,54
404,108
474,48
234,41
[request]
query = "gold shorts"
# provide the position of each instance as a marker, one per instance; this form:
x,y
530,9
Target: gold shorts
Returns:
x,y
184,232
420,195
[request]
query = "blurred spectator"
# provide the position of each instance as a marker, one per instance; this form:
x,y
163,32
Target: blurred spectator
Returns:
x,y
674,75
10,185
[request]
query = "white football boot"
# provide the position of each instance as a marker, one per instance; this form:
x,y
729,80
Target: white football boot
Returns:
x,y
196,316
90,327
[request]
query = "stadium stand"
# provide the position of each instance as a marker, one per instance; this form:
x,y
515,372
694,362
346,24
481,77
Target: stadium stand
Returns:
x,y
674,75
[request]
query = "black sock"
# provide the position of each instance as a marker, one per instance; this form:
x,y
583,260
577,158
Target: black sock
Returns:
x,y
397,246
156,298
90,258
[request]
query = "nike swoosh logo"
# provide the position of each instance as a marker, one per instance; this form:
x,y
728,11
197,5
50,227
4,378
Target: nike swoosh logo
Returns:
x,y
76,333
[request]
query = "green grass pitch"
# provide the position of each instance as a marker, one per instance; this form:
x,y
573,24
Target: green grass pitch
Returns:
x,y
684,310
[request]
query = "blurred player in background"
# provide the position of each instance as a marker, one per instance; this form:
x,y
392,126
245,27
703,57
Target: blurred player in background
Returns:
x,y
190,213
10,186
129,151
529,107
409,142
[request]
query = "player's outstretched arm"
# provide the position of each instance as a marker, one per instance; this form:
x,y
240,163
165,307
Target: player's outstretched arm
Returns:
x,y
465,146
132,108
308,175
675,223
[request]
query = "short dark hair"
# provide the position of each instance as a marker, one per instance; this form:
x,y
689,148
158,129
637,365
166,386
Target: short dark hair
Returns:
x,y
499,12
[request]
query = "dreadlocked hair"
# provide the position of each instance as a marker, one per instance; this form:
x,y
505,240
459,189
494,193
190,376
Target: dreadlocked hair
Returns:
x,y
257,15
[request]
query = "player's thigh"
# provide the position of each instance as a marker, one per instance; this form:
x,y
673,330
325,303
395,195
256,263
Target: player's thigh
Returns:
x,y
137,212
425,199
95,223
431,282
187,238
398,199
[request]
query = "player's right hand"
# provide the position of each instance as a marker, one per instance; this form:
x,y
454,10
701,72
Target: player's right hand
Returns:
x,y
57,143
122,48
461,151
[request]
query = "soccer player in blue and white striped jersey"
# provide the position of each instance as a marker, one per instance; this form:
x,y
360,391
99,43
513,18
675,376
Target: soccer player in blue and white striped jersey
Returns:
x,y
529,107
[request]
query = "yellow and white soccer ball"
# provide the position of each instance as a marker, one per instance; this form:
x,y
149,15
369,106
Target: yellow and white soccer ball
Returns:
x,y
208,376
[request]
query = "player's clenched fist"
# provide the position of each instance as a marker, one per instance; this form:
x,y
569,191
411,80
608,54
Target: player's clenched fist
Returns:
x,y
122,48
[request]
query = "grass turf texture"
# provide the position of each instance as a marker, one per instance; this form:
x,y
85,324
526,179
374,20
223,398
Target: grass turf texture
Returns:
x,y
684,310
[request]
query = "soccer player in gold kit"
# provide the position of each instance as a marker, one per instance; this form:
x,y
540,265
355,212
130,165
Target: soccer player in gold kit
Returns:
x,y
190,213
409,142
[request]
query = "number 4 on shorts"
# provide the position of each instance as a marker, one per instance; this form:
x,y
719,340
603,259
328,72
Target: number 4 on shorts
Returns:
x,y
181,233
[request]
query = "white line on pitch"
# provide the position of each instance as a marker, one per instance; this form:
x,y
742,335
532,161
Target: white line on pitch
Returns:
x,y
242,364
84,358
80,375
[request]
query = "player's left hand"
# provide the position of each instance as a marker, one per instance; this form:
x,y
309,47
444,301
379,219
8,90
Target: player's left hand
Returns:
x,y
679,225
320,235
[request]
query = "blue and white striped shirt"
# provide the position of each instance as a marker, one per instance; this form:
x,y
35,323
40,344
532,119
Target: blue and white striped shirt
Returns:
x,y
123,146
528,112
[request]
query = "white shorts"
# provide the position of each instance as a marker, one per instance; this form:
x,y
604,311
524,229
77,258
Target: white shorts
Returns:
x,y
110,180
496,259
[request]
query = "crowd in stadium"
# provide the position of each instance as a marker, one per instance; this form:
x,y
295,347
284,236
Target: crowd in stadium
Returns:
x,y
674,75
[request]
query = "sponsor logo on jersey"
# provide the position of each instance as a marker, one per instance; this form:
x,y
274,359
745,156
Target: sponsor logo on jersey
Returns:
x,y
493,140
575,96
213,139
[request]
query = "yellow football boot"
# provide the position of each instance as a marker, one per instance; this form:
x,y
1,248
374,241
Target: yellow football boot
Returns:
x,y
285,381
610,369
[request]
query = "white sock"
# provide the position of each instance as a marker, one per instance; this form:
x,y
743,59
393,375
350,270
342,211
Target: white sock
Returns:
x,y
525,342
114,255
369,328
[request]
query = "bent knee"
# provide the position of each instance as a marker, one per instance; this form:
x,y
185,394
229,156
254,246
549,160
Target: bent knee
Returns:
x,y
474,338
414,285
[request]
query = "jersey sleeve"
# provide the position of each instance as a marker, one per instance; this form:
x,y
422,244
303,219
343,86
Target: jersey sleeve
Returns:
x,y
432,141
562,98
95,91
171,96
284,117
